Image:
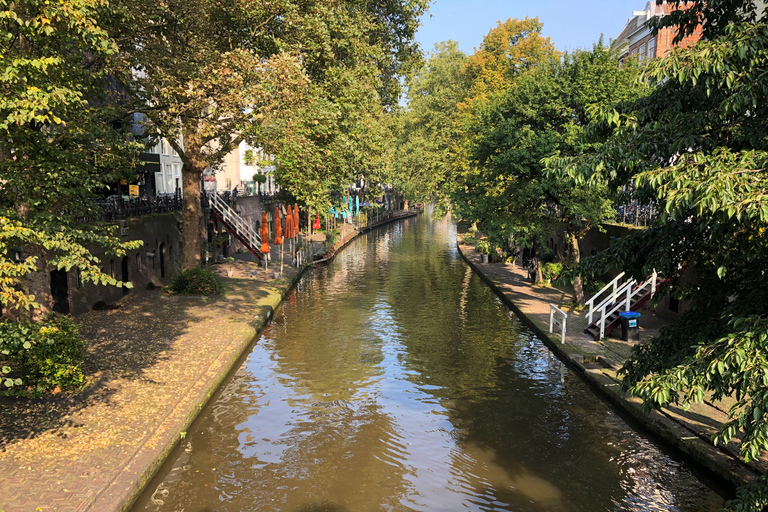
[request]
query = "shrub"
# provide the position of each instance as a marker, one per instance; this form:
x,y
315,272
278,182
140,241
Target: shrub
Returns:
x,y
196,281
46,354
551,271
330,238
591,287
483,247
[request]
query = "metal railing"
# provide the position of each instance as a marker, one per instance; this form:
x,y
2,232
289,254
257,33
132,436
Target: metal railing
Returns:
x,y
631,213
554,321
637,214
622,296
612,297
231,217
116,208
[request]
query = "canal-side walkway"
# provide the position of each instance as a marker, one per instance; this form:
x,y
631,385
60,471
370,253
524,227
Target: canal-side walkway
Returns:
x,y
154,361
688,431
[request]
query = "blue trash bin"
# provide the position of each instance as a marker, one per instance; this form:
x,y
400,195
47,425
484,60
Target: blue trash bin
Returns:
x,y
630,328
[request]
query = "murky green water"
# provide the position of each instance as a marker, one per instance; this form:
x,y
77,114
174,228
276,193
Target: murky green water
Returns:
x,y
395,380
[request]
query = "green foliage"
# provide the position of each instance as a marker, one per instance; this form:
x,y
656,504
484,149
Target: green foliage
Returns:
x,y
425,130
260,178
751,497
592,286
62,138
542,113
196,281
697,142
551,271
331,236
45,354
483,247
66,250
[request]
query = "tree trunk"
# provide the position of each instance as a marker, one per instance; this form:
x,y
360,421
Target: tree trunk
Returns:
x,y
191,216
36,283
539,276
578,287
39,283
537,263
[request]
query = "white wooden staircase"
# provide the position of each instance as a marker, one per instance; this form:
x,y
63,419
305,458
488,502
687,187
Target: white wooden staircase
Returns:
x,y
235,224
617,296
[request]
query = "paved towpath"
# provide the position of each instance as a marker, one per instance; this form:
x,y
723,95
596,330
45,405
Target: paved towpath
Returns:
x,y
154,361
689,431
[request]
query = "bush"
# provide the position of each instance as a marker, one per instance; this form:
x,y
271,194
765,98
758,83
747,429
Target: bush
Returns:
x,y
591,287
483,247
551,271
196,281
330,238
46,354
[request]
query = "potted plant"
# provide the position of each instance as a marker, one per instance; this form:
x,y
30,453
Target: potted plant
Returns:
x,y
231,269
484,248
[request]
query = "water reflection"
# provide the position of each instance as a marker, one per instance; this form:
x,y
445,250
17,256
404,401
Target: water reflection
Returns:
x,y
395,380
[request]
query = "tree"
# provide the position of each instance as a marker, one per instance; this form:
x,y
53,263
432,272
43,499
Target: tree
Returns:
x,y
307,81
509,50
426,130
697,142
337,131
197,90
541,115
61,140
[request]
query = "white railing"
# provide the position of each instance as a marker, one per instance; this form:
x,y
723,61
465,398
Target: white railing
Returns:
x,y
614,285
625,296
556,322
231,217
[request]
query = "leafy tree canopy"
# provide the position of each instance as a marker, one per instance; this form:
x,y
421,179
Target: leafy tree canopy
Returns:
x,y
697,143
61,140
426,129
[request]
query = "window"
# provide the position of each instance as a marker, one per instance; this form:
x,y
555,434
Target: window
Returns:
x,y
169,179
176,177
159,185
652,48
641,56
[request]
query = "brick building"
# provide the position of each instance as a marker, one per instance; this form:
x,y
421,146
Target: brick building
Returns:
x,y
637,40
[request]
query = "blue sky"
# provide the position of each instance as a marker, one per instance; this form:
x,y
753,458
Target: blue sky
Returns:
x,y
570,24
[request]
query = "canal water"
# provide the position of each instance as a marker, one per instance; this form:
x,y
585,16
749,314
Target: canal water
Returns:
x,y
395,380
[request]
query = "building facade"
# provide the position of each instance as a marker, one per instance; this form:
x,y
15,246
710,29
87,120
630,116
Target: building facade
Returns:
x,y
636,40
239,168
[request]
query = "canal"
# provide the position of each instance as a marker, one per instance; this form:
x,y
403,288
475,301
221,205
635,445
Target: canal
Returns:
x,y
394,379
